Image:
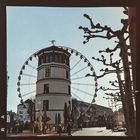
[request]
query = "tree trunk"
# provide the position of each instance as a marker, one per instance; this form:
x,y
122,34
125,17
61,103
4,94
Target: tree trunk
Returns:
x,y
128,86
124,103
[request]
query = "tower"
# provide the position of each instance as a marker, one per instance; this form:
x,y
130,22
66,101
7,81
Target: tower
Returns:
x,y
53,82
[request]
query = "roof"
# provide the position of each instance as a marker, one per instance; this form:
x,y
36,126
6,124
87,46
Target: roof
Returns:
x,y
28,101
53,48
93,105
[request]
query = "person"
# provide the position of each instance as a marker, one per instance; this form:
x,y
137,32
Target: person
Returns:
x,y
40,127
16,127
69,129
59,129
35,127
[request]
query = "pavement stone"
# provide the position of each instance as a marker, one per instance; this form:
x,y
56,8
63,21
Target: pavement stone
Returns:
x,y
97,131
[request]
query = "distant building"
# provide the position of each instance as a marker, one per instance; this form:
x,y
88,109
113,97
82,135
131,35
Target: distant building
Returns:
x,y
96,115
11,116
11,119
25,111
118,118
8,118
53,84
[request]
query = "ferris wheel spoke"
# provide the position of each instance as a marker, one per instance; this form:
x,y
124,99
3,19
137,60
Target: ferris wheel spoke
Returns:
x,y
32,67
30,75
82,91
78,78
77,96
28,93
83,84
24,84
76,64
78,71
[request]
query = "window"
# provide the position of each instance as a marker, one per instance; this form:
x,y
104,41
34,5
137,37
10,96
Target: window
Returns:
x,y
46,88
69,90
63,58
67,74
51,58
46,105
47,72
56,58
42,60
20,112
67,61
21,117
39,62
47,58
28,116
60,58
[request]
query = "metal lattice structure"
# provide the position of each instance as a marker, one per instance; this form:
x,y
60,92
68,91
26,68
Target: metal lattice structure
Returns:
x,y
83,88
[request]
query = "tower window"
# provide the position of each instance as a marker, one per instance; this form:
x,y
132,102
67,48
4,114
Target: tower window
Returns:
x,y
59,57
67,61
46,88
40,61
69,90
45,104
56,58
63,58
47,72
47,58
67,75
51,58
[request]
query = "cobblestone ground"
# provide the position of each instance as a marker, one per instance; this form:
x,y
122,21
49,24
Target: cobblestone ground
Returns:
x,y
97,131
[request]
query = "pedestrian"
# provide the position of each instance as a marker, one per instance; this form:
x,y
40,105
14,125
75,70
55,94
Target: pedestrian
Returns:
x,y
16,127
35,127
59,129
69,129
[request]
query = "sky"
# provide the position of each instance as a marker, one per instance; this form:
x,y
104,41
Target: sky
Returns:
x,y
30,29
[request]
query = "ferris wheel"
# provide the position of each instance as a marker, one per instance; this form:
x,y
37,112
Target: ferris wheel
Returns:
x,y
83,88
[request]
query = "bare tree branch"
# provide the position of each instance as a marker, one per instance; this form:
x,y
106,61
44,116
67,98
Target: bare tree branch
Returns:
x,y
106,89
113,84
108,50
125,10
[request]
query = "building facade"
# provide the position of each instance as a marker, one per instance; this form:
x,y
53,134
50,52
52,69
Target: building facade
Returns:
x,y
95,116
53,84
118,118
11,120
25,111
